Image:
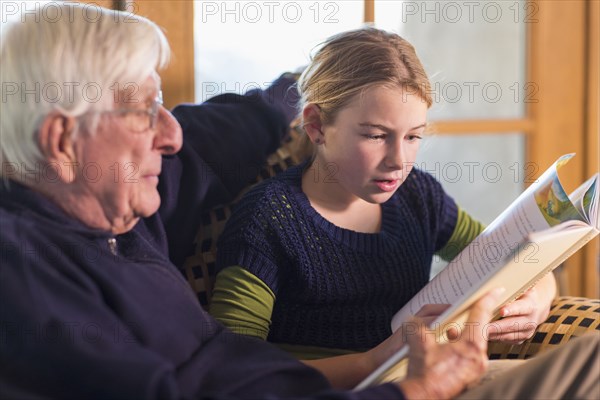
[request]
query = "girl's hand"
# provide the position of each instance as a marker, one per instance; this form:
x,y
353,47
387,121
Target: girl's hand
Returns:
x,y
521,318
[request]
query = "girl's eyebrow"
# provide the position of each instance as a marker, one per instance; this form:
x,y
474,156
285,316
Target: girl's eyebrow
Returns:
x,y
386,129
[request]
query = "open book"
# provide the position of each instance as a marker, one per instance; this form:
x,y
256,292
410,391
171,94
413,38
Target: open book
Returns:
x,y
537,232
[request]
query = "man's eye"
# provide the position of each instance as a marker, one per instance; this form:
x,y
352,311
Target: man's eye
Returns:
x,y
413,138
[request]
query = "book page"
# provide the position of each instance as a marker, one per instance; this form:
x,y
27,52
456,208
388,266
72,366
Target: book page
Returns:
x,y
585,199
591,203
542,205
582,196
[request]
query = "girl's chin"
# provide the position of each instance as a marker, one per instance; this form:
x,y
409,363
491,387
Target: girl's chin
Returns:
x,y
378,198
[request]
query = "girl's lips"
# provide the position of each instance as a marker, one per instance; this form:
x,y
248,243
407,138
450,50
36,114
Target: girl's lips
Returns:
x,y
387,185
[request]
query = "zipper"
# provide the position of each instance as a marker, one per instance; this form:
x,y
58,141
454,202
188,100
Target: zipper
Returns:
x,y
112,245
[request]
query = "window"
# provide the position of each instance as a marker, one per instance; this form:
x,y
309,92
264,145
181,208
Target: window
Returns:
x,y
250,43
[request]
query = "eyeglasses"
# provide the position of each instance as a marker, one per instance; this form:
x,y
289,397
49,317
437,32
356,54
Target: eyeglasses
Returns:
x,y
137,120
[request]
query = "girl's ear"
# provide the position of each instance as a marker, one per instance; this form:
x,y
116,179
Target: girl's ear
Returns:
x,y
56,144
313,124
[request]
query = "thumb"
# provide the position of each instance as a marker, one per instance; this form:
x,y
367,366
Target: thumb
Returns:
x,y
483,310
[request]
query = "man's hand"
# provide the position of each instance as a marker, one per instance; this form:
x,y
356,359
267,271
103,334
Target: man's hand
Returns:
x,y
444,370
379,354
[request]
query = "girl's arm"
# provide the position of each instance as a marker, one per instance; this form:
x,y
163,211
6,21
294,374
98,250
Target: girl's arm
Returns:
x,y
244,304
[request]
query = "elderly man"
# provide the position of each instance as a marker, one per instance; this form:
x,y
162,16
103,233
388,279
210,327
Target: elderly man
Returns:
x,y
91,306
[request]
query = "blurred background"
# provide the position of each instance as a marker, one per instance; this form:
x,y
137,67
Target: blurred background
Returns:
x,y
515,82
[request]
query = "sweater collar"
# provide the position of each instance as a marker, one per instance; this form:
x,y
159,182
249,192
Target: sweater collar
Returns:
x,y
390,224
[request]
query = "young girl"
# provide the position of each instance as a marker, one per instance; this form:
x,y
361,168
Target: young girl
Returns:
x,y
318,259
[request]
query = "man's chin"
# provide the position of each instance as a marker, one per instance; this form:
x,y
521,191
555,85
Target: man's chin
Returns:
x,y
150,205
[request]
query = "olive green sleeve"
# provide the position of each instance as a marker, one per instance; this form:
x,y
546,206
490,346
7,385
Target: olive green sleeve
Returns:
x,y
242,302
465,231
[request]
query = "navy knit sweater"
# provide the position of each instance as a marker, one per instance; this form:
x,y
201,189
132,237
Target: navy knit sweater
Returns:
x,y
335,287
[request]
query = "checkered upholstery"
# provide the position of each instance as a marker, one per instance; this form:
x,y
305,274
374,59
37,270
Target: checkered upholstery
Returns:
x,y
200,267
569,318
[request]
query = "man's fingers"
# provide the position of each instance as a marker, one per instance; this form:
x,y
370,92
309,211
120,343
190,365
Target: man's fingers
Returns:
x,y
418,334
453,333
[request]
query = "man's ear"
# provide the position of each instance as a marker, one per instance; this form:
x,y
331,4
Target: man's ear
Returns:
x,y
55,137
313,124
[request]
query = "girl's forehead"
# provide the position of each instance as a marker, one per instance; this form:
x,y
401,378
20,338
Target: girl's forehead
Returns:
x,y
379,98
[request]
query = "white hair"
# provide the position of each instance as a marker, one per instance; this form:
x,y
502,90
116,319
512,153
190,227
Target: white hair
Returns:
x,y
69,59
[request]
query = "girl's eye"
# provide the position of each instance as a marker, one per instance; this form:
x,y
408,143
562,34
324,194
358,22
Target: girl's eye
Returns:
x,y
375,136
413,138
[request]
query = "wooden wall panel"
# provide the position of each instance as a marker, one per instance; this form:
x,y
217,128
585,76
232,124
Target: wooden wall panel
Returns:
x,y
177,19
556,66
369,14
556,63
591,283
102,3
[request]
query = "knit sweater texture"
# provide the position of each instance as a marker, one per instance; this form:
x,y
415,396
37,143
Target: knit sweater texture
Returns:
x,y
335,287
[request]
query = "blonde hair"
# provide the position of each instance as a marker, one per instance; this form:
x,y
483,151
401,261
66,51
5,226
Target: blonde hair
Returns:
x,y
351,62
48,63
